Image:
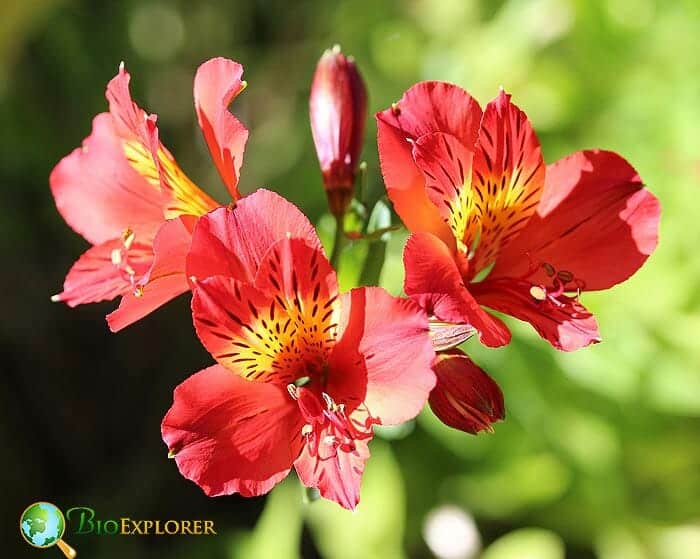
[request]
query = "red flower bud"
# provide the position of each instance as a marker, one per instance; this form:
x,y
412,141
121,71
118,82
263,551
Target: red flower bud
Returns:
x,y
338,109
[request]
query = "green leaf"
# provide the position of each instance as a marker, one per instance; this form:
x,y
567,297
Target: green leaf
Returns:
x,y
278,531
380,219
378,234
375,529
528,543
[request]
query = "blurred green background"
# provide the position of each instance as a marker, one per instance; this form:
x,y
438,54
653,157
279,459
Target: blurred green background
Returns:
x,y
599,456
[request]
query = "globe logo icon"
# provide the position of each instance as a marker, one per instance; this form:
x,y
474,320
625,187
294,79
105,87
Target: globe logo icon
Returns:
x,y
42,525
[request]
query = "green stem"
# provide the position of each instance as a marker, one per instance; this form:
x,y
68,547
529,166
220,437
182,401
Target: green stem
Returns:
x,y
362,183
338,242
309,495
372,268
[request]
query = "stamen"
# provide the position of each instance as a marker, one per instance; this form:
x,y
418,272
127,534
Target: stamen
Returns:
x,y
565,276
538,293
120,259
330,404
559,289
560,279
128,237
117,256
329,429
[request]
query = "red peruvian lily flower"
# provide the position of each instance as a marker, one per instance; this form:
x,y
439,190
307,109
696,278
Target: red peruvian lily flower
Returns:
x,y
124,192
494,227
303,372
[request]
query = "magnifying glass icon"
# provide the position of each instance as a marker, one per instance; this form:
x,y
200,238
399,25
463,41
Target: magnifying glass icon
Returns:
x,y
42,525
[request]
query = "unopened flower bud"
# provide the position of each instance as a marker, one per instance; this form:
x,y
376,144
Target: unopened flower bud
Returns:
x,y
338,110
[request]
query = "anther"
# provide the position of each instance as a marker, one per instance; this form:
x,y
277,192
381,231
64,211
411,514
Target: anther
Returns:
x,y
565,276
548,269
117,256
292,389
330,404
128,238
138,291
302,381
307,429
538,293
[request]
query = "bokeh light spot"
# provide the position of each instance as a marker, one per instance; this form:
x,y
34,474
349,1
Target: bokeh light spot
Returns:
x,y
451,533
156,31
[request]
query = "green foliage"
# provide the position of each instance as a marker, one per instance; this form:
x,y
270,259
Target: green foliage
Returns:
x,y
600,449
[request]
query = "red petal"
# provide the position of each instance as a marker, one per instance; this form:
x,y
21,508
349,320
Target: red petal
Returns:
x,y
564,323
447,166
95,277
131,121
595,221
390,335
216,85
166,278
148,156
99,194
227,316
337,477
233,241
433,280
229,435
465,397
426,107
435,107
278,331
508,178
301,277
